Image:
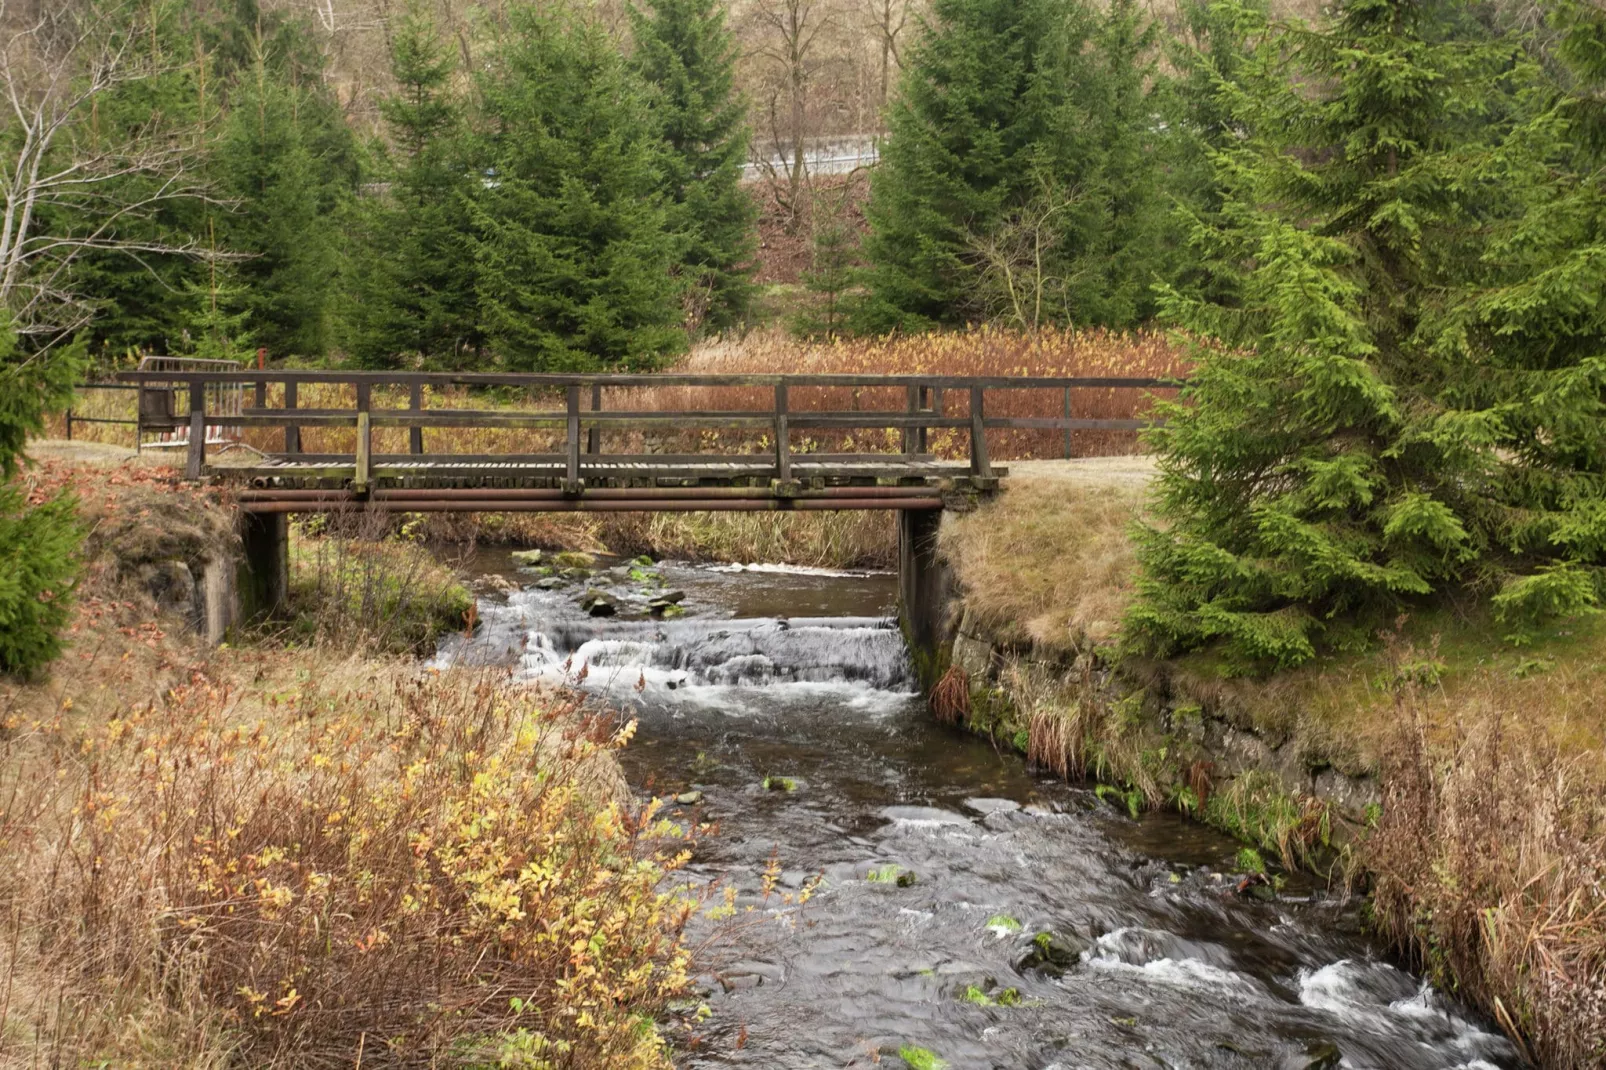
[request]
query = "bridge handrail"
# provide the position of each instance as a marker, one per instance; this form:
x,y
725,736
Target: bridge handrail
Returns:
x,y
611,379
923,409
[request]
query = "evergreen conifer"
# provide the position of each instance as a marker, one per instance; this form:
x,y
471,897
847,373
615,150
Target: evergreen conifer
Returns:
x,y
1318,473
685,53
287,160
574,250
1001,100
413,282
38,543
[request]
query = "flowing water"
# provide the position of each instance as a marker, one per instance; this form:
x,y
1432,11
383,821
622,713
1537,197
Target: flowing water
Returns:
x,y
796,675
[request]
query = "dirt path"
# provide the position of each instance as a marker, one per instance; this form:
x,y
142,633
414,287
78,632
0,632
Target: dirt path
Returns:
x,y
1132,471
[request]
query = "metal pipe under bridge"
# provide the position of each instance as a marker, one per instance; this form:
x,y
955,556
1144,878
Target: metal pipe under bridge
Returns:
x,y
765,450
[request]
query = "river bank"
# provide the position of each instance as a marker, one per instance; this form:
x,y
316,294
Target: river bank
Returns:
x,y
1452,775
299,847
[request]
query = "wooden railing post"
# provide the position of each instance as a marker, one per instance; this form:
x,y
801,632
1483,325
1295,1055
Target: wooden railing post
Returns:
x,y
415,434
571,482
365,440
922,433
783,436
594,436
197,454
979,465
911,408
261,393
1067,429
292,433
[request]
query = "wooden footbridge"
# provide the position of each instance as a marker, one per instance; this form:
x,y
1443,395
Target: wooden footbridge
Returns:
x,y
575,473
766,456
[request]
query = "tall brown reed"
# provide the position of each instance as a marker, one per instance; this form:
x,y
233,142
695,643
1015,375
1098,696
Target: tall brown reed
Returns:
x,y
1490,872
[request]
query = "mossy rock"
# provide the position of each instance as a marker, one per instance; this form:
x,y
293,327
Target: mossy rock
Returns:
x,y
1053,953
574,559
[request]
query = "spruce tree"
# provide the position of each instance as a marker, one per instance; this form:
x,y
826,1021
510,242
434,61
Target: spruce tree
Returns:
x,y
685,53
139,297
974,113
1531,337
281,223
413,289
1317,474
830,271
38,543
1209,53
1001,100
574,250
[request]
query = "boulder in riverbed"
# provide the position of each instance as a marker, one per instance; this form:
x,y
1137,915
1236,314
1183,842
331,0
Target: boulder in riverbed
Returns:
x,y
574,559
597,603
1053,953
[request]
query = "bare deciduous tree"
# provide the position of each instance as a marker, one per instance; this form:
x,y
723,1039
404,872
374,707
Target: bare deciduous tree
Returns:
x,y
71,183
1017,271
887,20
785,36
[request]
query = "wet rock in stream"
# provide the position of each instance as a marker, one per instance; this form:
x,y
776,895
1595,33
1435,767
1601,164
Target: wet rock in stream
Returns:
x,y
598,603
1053,953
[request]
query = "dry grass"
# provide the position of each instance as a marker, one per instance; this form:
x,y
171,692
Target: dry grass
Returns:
x,y
354,580
982,351
1490,871
850,539
421,869
1049,560
262,857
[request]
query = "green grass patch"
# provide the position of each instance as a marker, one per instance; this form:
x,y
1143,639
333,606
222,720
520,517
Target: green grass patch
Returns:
x,y
389,591
921,1058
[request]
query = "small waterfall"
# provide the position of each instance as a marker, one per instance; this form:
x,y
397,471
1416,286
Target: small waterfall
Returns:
x,y
545,639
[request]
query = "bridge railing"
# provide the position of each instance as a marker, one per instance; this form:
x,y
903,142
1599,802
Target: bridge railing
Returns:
x,y
582,417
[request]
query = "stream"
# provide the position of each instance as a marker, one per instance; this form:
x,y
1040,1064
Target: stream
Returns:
x,y
801,678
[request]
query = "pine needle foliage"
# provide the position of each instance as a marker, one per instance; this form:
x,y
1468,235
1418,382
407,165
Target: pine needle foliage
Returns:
x,y
1328,463
38,541
413,283
1001,99
686,55
574,247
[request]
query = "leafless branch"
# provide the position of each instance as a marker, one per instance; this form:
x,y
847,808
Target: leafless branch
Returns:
x,y
68,186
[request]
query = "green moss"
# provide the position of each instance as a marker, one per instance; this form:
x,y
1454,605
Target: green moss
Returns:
x,y
892,873
921,1058
1004,997
1249,860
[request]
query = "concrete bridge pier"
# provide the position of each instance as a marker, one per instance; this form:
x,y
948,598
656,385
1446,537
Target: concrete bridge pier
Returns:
x,y
264,573
923,593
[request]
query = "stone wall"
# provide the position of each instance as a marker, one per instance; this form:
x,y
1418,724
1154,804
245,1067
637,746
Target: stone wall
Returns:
x,y
1199,735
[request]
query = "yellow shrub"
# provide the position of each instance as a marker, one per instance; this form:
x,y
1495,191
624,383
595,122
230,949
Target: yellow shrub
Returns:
x,y
426,878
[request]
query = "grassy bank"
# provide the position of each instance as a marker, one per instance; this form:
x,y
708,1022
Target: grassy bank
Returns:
x,y
1486,855
265,856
